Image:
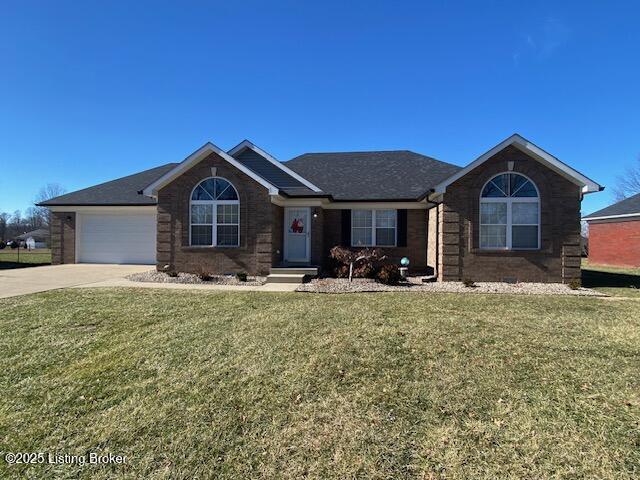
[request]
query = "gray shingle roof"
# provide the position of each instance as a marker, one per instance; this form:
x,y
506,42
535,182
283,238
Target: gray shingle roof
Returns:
x,y
122,191
627,206
391,175
388,175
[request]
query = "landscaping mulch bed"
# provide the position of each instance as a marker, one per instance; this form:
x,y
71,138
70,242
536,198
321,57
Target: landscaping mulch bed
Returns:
x,y
154,276
414,284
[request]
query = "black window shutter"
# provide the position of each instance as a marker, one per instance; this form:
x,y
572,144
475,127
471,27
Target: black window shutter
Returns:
x,y
346,228
402,228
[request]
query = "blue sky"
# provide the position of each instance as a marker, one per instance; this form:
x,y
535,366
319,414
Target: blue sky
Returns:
x,y
90,91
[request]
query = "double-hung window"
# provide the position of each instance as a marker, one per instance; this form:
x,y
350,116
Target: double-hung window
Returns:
x,y
373,228
510,213
215,214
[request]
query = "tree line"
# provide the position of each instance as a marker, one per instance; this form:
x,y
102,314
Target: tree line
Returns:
x,y
18,222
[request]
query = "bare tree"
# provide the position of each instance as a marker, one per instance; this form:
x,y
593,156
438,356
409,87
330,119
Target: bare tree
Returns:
x,y
629,183
33,218
4,219
16,218
49,191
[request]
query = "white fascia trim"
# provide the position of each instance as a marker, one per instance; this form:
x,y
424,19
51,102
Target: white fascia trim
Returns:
x,y
378,205
194,158
110,209
588,185
326,204
298,202
606,217
247,144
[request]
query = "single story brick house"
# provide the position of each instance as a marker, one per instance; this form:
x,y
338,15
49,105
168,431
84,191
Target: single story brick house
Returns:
x,y
614,234
513,214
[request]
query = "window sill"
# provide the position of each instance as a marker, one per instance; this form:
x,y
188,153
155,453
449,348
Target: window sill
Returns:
x,y
199,248
373,246
506,250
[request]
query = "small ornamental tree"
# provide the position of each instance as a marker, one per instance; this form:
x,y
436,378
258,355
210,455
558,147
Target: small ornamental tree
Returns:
x,y
360,263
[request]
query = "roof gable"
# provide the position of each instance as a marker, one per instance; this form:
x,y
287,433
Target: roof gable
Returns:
x,y
151,190
535,152
265,165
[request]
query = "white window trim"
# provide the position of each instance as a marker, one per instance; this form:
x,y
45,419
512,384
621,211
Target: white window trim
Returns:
x,y
214,215
509,201
373,227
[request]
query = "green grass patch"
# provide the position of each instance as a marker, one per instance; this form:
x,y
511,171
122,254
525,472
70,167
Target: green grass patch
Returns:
x,y
10,258
257,385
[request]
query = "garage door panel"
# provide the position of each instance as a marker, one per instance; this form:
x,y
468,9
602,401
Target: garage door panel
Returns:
x,y
117,238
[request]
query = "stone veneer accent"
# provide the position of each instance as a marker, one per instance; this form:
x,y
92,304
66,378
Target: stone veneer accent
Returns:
x,y
558,259
63,237
256,250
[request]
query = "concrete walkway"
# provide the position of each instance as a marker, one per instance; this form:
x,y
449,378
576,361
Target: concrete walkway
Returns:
x,y
123,282
21,281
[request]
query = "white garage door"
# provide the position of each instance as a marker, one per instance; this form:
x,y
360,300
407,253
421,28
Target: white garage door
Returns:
x,y
117,238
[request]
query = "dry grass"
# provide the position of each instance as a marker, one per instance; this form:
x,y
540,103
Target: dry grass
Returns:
x,y
255,385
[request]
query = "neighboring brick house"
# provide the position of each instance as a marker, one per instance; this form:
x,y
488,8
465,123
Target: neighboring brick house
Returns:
x,y
511,215
614,234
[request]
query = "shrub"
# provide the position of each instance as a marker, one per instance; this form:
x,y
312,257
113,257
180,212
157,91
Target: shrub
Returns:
x,y
575,284
2,245
341,271
241,276
14,244
467,282
389,274
361,262
205,276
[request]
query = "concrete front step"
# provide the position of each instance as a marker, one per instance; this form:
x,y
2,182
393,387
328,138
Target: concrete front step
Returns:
x,y
285,278
311,271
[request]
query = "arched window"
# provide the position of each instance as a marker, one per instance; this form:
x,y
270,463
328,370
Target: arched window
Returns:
x,y
215,214
510,213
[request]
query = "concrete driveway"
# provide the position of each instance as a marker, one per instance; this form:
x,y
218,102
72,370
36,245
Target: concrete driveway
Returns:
x,y
20,281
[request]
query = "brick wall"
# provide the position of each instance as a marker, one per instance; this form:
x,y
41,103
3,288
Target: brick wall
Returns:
x,y
615,243
557,260
254,255
63,237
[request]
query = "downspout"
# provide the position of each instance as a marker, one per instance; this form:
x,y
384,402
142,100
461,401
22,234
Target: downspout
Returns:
x,y
437,260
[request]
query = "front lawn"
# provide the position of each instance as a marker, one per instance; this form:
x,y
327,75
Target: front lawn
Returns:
x,y
10,258
257,385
